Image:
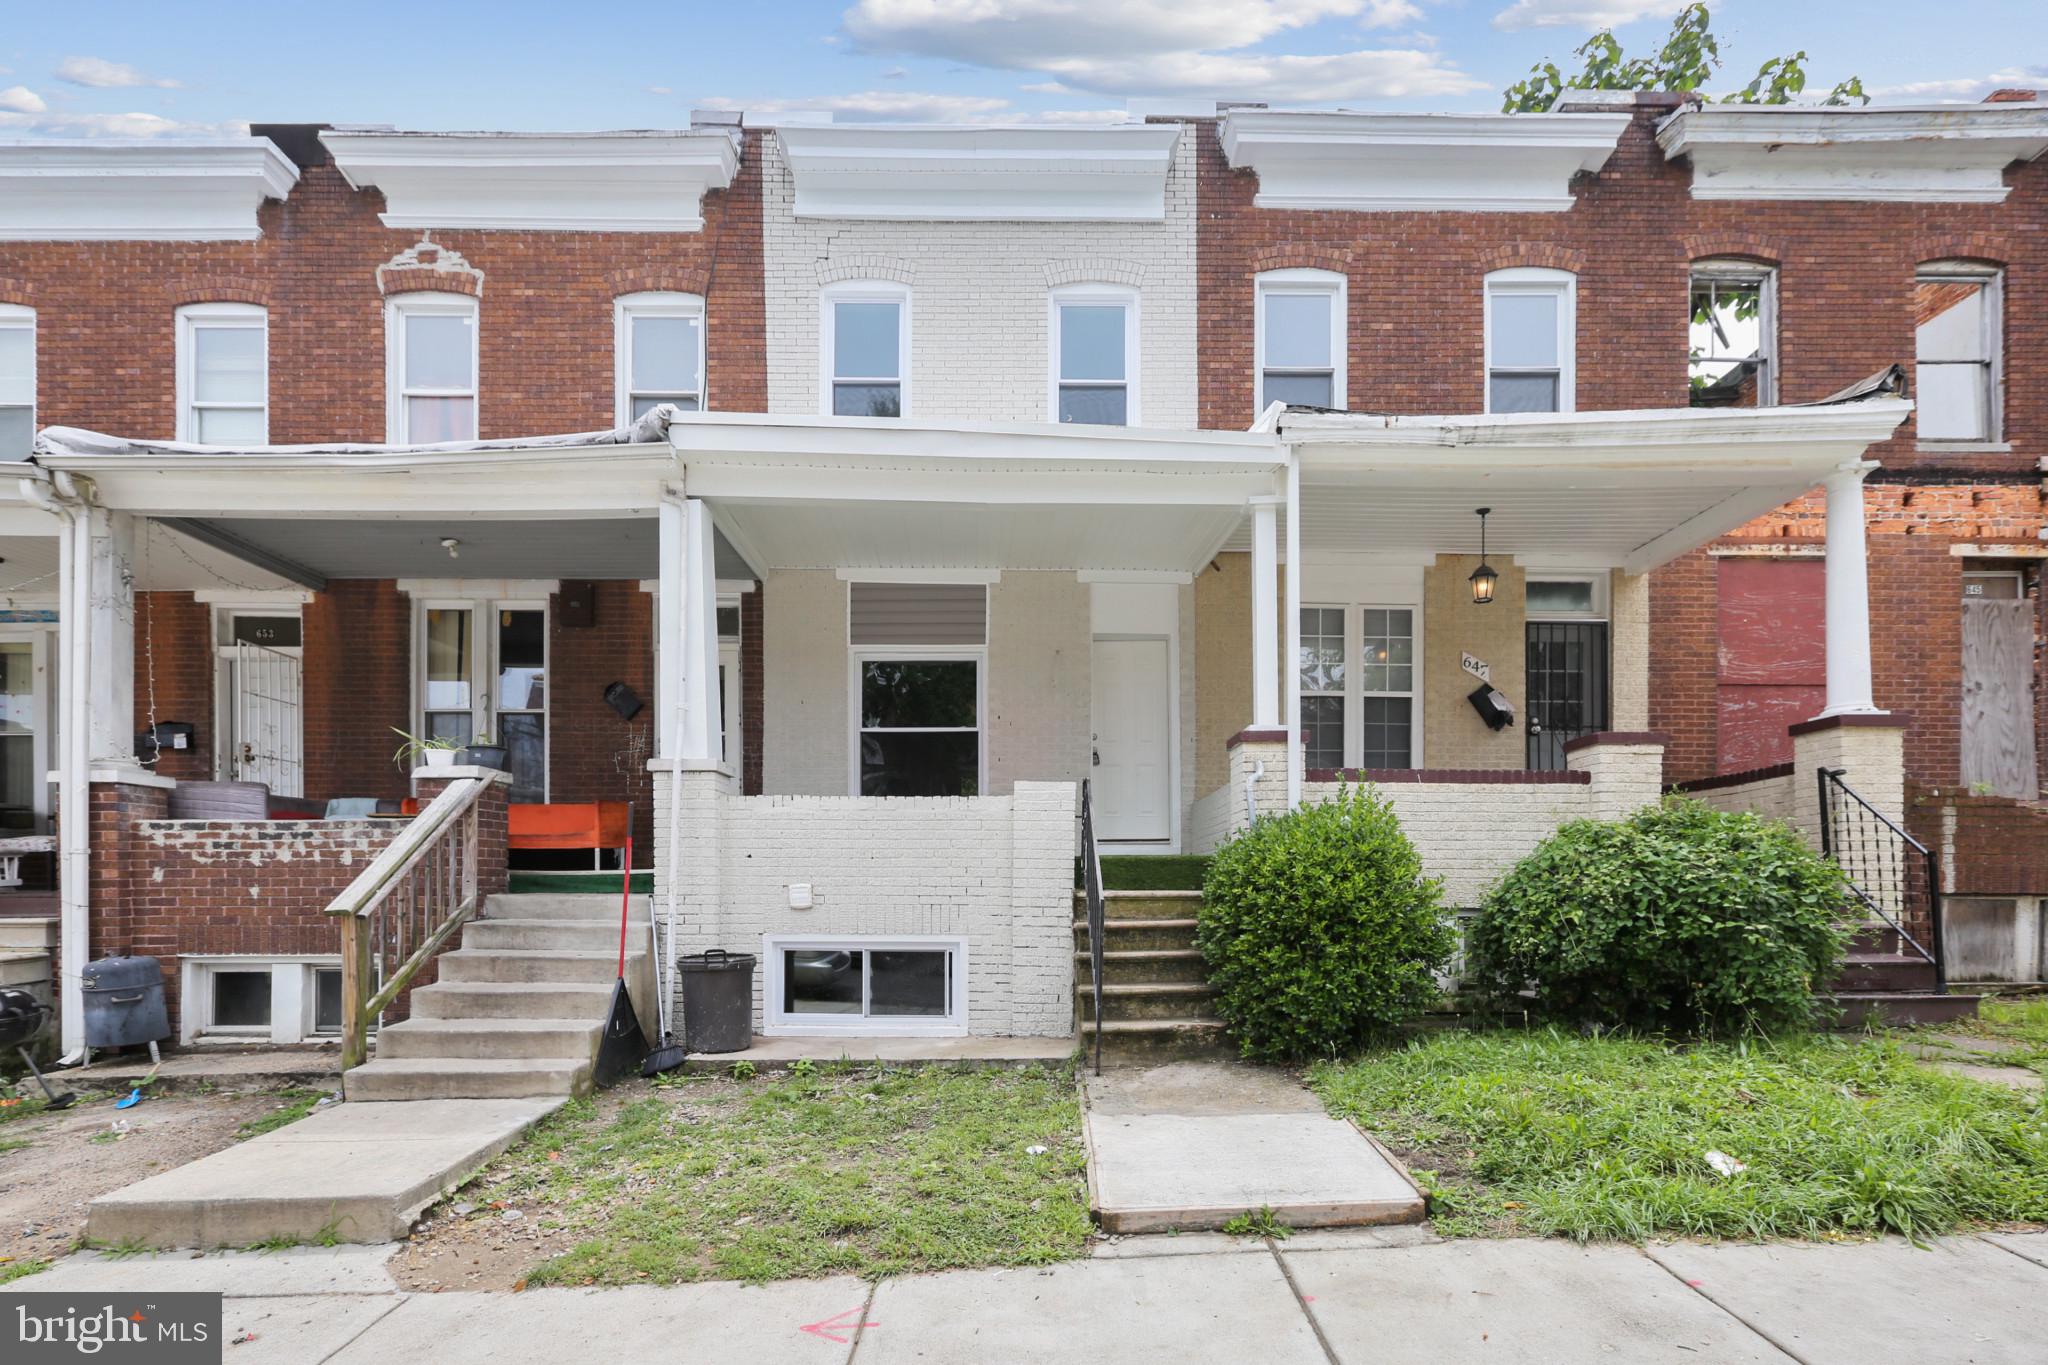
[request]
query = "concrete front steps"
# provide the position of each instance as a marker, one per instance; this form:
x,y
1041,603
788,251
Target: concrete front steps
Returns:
x,y
519,1007
1882,982
1155,1005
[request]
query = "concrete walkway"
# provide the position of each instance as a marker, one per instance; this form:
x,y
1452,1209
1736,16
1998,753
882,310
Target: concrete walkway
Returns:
x,y
1352,1297
1193,1145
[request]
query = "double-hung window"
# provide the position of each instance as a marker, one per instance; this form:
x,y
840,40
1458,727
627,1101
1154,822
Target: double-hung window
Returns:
x,y
17,381
506,642
1530,328
1322,686
659,343
917,651
431,368
1299,338
1386,687
1731,355
1095,355
866,333
1358,686
224,374
1957,327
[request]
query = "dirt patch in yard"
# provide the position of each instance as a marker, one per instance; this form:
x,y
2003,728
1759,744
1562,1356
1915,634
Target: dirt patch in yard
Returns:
x,y
66,1159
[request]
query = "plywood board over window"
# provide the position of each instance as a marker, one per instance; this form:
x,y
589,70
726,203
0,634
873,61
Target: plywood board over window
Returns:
x,y
1998,697
1771,669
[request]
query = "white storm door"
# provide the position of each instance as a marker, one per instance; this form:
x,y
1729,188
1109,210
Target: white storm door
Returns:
x,y
1132,767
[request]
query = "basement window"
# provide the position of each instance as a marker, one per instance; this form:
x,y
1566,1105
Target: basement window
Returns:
x,y
241,1001
866,985
277,1000
17,381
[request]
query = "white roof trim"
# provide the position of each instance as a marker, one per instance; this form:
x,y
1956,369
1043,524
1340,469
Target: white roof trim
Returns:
x,y
980,173
77,190
571,182
1929,154
1487,163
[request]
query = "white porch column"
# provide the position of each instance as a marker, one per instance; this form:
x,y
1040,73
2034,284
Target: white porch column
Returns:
x,y
703,727
1848,596
110,623
668,629
1265,616
1291,664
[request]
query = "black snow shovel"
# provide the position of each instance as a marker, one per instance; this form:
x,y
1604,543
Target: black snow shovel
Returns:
x,y
620,1051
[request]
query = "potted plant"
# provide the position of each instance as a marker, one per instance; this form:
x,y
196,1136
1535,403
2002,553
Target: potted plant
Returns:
x,y
417,752
481,753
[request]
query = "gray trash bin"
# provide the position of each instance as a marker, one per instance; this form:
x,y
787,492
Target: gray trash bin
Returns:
x,y
124,1002
718,1000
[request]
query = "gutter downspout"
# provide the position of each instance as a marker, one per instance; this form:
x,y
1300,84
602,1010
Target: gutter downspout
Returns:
x,y
60,496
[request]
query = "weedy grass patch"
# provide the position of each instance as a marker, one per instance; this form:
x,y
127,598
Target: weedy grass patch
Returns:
x,y
1610,1137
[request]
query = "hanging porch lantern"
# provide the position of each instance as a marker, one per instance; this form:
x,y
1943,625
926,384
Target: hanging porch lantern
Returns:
x,y
1484,578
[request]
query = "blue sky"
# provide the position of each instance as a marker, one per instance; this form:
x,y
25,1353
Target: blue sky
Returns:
x,y
195,66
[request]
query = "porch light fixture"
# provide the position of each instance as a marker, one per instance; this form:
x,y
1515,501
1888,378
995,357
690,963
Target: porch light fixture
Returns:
x,y
454,547
1485,577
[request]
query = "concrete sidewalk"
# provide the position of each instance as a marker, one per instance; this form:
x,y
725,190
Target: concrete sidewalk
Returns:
x,y
1393,1296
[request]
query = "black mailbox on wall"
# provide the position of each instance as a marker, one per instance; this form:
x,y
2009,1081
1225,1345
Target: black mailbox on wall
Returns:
x,y
1493,708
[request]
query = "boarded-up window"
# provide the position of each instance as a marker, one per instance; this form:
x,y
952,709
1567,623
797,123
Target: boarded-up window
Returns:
x,y
935,614
1772,661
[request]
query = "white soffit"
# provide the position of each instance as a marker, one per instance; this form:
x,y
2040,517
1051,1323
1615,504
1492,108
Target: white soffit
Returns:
x,y
1499,163
978,173
123,189
574,182
1953,153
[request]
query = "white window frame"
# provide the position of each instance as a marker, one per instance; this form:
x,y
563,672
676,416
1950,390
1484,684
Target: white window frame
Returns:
x,y
1535,280
12,316
1734,270
1346,636
857,655
483,668
1992,278
1093,296
626,308
294,998
863,291
1303,281
43,650
1598,582
1356,693
421,303
196,317
775,1023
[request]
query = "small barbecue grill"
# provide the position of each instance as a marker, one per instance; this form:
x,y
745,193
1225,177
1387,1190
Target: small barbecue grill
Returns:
x,y
22,1017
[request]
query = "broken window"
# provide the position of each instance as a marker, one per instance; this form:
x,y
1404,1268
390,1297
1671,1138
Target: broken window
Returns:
x,y
1956,325
1733,336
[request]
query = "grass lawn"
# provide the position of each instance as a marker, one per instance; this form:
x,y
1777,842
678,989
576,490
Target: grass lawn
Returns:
x,y
1553,1133
2019,1022
860,1171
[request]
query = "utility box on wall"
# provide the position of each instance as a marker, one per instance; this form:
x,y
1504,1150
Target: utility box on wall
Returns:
x,y
576,604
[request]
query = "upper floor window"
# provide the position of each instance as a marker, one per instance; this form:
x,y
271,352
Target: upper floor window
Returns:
x,y
1530,327
866,330
224,374
1300,338
17,381
660,348
430,365
1957,323
1095,355
1733,338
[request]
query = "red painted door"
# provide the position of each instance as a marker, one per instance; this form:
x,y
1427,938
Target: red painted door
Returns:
x,y
1772,663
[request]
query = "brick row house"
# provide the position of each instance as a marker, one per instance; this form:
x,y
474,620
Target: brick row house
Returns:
x,y
841,497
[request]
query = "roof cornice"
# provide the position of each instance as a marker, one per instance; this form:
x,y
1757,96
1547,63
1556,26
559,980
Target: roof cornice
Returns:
x,y
138,190
1486,163
1925,154
575,182
1028,173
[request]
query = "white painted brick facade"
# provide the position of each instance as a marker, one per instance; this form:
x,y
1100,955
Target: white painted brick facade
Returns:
x,y
1770,797
979,299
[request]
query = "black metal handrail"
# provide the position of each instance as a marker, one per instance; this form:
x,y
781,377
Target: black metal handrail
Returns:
x,y
1880,859
1091,881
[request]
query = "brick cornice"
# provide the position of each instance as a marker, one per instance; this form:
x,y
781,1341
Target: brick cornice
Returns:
x,y
1543,255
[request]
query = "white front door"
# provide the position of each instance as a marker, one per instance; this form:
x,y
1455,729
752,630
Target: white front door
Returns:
x,y
1133,760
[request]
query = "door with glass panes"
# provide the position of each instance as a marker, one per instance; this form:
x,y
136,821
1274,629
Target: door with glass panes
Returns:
x,y
483,672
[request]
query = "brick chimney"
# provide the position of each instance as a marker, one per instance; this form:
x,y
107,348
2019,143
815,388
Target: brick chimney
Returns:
x,y
2012,97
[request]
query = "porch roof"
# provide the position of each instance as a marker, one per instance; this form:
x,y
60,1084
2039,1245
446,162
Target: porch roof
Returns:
x,y
1627,490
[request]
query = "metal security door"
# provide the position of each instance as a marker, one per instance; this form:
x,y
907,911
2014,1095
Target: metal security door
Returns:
x,y
264,740
1567,681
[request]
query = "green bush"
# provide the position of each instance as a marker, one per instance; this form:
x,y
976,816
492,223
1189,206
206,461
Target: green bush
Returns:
x,y
1320,931
1680,918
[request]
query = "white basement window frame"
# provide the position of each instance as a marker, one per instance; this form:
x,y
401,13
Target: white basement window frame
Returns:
x,y
858,1017
17,381
1958,369
423,365
1291,358
1078,382
646,377
1517,358
223,383
1723,345
855,376
290,1005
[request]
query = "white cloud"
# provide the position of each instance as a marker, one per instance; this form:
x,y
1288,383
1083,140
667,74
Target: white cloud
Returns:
x,y
882,106
1161,47
1072,116
895,73
101,74
1967,88
19,99
660,90
113,125
1586,14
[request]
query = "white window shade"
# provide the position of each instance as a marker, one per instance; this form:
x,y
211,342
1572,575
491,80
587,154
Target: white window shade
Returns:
x,y
224,375
660,343
433,371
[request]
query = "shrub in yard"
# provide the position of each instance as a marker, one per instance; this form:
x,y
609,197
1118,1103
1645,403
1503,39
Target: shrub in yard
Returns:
x,y
1319,930
1680,917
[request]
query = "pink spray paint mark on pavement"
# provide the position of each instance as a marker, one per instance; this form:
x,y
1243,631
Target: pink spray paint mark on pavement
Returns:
x,y
825,1327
